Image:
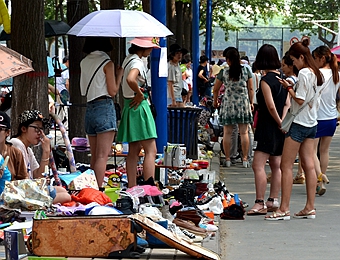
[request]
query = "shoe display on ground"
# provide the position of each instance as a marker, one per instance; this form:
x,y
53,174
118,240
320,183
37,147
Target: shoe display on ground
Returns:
x,y
183,224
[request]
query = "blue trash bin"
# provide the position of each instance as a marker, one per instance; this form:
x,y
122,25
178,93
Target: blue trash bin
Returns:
x,y
183,128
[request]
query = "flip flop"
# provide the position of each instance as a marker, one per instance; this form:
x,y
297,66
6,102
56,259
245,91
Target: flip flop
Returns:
x,y
278,216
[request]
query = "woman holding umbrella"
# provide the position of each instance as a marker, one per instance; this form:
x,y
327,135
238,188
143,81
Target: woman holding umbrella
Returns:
x,y
136,111
99,82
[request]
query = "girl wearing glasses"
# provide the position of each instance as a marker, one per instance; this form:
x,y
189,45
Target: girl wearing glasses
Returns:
x,y
30,133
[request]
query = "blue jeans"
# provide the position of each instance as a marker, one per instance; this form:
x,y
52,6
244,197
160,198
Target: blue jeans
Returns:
x,y
100,117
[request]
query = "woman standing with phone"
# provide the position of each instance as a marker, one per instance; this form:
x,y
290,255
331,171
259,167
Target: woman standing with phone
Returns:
x,y
301,135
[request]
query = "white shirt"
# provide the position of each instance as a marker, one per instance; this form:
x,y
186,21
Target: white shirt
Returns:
x,y
88,66
29,158
327,109
61,81
132,61
304,90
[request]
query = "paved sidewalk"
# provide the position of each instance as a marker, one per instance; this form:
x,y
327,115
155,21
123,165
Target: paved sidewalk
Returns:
x,y
254,238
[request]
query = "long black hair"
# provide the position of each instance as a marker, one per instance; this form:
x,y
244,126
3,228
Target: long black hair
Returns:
x,y
235,68
330,59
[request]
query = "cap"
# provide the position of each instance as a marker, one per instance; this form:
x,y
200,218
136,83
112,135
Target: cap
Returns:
x,y
146,42
5,121
176,48
31,116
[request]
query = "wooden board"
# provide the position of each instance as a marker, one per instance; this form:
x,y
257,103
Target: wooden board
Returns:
x,y
173,241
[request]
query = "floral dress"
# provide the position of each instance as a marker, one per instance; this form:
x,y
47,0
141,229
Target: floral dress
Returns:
x,y
235,107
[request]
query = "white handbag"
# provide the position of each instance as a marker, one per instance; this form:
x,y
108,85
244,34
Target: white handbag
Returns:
x,y
287,122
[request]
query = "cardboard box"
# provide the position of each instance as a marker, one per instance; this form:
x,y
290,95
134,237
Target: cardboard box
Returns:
x,y
175,155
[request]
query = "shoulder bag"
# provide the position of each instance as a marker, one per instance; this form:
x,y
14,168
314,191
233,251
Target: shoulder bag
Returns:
x,y
289,118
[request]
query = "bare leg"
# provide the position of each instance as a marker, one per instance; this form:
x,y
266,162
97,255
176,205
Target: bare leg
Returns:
x,y
131,163
243,129
290,150
149,159
62,195
258,166
307,161
100,152
275,181
227,130
325,143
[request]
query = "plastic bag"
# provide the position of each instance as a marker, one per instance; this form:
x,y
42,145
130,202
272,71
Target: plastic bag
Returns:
x,y
27,194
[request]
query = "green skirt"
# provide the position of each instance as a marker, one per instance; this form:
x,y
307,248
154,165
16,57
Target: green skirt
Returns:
x,y
136,124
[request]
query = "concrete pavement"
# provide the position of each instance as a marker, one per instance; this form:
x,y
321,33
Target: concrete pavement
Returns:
x,y
254,238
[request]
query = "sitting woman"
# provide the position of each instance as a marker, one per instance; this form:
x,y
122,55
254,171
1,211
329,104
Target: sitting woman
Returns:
x,y
31,132
16,164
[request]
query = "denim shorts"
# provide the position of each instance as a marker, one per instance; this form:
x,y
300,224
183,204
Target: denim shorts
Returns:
x,y
52,191
299,133
100,117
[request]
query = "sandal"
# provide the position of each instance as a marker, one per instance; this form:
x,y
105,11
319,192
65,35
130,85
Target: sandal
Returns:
x,y
309,215
261,211
274,204
299,178
278,216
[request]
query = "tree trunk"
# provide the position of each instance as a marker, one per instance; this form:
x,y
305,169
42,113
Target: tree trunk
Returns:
x,y
187,27
179,22
171,21
146,6
76,10
27,38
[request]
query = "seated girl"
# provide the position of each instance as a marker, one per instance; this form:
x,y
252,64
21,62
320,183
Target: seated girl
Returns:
x,y
31,132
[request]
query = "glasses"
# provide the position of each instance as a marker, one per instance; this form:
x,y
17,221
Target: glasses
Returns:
x,y
36,128
3,129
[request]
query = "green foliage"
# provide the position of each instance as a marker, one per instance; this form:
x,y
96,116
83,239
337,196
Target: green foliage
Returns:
x,y
320,9
133,5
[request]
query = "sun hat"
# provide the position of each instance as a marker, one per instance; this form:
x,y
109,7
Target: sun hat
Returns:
x,y
146,42
215,69
5,121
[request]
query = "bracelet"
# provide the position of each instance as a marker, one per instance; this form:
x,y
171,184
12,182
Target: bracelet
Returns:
x,y
45,160
288,88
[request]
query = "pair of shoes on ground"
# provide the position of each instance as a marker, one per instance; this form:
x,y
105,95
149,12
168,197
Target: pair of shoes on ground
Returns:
x,y
275,216
271,205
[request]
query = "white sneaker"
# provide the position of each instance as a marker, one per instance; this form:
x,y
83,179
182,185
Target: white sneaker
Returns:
x,y
178,233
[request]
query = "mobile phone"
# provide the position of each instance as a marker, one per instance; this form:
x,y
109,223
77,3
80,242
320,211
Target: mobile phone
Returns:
x,y
278,78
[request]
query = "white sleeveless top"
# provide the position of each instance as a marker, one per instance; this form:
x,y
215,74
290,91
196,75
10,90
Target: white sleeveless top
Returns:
x,y
88,66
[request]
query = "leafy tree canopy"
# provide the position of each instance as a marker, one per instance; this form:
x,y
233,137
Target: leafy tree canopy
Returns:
x,y
313,10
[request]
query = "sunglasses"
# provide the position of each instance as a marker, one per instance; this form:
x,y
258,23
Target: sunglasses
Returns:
x,y
3,129
36,128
